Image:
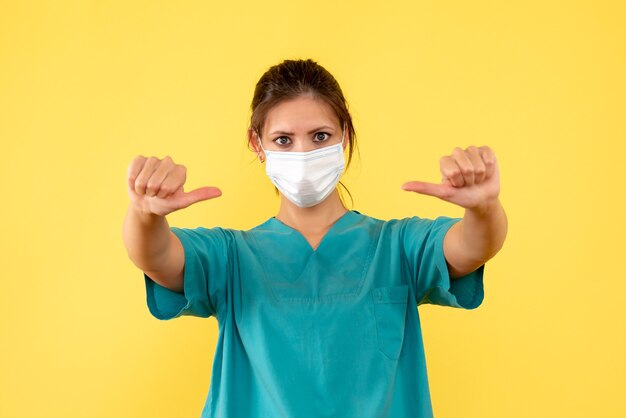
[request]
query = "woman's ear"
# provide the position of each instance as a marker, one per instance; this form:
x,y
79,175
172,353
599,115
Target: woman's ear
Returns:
x,y
253,144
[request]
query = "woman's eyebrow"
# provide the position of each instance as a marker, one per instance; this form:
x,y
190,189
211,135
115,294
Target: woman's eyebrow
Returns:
x,y
291,133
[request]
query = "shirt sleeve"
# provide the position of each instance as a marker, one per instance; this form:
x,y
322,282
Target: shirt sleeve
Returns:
x,y
423,246
206,274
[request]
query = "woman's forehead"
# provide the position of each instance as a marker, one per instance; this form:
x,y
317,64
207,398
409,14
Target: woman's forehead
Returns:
x,y
301,114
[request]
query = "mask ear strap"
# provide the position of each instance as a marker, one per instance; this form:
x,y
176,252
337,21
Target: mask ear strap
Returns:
x,y
343,134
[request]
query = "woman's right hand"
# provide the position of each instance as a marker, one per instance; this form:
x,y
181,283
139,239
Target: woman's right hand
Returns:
x,y
156,186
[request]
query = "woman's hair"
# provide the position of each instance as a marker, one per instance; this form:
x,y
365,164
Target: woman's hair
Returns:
x,y
294,78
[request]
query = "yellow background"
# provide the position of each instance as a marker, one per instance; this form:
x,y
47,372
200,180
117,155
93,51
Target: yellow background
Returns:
x,y
87,86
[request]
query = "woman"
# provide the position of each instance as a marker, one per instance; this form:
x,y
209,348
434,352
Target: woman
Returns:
x,y
316,305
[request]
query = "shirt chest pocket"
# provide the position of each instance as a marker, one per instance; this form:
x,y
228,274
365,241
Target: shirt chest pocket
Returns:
x,y
390,305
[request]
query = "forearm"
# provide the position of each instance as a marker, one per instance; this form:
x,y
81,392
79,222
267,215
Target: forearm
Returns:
x,y
146,237
482,232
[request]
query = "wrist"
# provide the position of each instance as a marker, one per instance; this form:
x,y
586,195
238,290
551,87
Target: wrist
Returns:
x,y
484,208
143,214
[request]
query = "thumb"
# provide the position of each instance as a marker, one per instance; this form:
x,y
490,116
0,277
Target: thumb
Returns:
x,y
431,189
199,194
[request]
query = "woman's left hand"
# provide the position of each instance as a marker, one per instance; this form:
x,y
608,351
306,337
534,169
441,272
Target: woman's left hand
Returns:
x,y
470,178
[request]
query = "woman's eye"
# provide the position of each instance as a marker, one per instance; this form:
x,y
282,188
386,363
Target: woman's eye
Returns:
x,y
282,140
323,138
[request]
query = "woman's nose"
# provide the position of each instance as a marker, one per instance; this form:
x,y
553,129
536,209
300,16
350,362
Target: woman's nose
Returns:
x,y
300,146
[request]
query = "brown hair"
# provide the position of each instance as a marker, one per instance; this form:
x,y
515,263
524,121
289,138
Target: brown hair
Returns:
x,y
291,79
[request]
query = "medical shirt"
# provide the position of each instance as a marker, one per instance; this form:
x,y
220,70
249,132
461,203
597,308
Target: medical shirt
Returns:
x,y
331,332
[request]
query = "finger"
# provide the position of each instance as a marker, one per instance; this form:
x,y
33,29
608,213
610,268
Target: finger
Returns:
x,y
464,163
134,168
450,170
197,195
157,177
430,189
174,180
130,186
141,182
489,158
479,166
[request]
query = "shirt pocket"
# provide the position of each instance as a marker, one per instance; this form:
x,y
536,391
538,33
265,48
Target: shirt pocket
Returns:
x,y
390,304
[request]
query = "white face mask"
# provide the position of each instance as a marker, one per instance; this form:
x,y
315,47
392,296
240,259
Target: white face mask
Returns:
x,y
306,178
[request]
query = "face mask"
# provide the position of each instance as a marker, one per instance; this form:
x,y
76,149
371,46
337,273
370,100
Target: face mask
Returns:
x,y
306,178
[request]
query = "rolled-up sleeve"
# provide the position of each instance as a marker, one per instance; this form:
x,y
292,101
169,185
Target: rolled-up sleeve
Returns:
x,y
206,275
423,246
